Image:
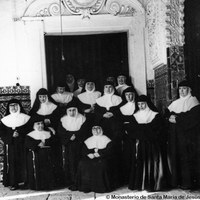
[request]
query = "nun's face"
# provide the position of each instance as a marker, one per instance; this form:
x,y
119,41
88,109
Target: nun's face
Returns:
x,y
61,90
72,111
69,79
39,126
13,107
108,89
90,86
97,130
130,96
81,82
43,98
142,105
121,80
183,91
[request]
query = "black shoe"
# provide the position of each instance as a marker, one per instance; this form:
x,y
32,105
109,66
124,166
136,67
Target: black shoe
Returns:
x,y
13,188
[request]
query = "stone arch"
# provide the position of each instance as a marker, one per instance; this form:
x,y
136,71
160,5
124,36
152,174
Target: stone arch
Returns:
x,y
41,8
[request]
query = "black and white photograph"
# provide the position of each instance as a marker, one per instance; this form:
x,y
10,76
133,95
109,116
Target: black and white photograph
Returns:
x,y
99,99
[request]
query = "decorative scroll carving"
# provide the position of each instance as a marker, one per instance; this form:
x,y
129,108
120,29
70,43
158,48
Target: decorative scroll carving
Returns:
x,y
54,9
46,8
120,7
84,7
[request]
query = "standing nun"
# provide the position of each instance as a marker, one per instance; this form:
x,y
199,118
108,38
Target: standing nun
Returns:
x,y
147,165
107,111
13,131
127,109
88,101
38,144
183,138
72,133
45,107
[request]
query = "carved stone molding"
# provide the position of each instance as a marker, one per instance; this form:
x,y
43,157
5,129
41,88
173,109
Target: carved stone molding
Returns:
x,y
44,8
84,7
120,7
155,15
175,22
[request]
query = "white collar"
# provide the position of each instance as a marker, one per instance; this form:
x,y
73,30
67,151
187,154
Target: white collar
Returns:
x,y
89,97
145,116
99,142
14,120
109,100
183,104
128,108
46,108
39,135
73,123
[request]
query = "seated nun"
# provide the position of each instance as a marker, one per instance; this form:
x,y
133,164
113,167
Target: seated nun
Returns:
x,y
147,168
72,132
13,128
121,81
38,144
95,168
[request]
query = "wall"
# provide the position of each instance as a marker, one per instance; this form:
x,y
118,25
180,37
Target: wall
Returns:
x,y
22,49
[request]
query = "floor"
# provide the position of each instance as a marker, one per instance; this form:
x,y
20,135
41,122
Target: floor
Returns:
x,y
122,193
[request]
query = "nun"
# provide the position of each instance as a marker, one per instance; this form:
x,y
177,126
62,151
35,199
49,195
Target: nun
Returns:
x,y
13,128
107,112
38,144
127,109
121,81
107,109
146,171
61,96
46,107
88,100
80,84
72,132
95,167
183,138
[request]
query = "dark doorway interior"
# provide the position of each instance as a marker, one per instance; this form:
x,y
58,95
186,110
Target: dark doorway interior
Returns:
x,y
89,56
